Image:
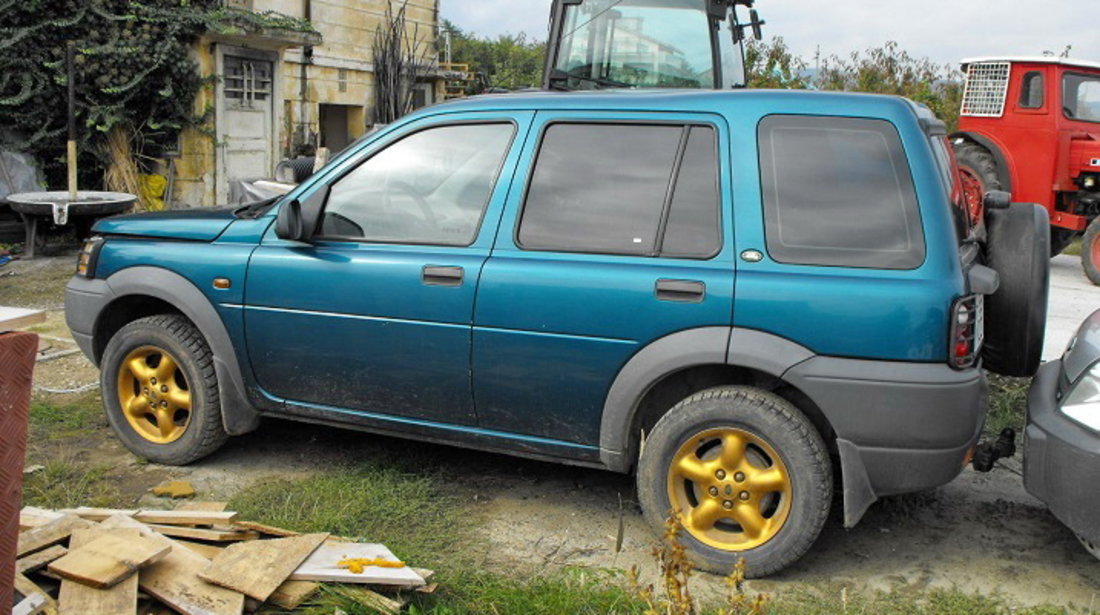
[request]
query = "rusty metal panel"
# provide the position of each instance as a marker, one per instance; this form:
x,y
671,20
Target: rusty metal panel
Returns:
x,y
17,352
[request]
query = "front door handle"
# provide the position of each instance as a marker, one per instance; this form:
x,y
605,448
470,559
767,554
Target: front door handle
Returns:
x,y
438,275
681,291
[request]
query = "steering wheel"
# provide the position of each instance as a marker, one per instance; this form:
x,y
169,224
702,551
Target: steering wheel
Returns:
x,y
426,213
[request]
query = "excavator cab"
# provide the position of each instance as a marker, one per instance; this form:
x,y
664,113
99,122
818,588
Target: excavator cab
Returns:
x,y
596,44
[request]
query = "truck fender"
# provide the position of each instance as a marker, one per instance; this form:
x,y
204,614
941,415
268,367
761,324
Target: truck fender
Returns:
x,y
238,415
1004,168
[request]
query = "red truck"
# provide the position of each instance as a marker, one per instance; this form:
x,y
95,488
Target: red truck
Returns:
x,y
1031,126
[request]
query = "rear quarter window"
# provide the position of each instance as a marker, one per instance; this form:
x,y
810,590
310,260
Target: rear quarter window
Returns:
x,y
838,192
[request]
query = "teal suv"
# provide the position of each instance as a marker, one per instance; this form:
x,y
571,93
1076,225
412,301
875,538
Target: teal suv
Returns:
x,y
752,300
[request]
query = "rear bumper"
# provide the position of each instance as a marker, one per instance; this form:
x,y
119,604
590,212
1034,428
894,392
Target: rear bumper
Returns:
x,y
900,427
1061,458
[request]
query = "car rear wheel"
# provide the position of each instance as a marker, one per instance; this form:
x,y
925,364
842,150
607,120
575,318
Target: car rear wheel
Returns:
x,y
1090,251
746,471
1018,248
160,390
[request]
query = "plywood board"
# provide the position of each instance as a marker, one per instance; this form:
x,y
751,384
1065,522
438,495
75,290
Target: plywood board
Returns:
x,y
322,566
48,535
39,559
12,318
195,533
209,506
165,517
264,529
175,580
36,600
291,594
259,567
78,599
203,549
32,517
109,558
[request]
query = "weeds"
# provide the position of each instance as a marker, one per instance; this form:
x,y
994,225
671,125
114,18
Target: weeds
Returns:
x,y
67,484
54,421
1007,404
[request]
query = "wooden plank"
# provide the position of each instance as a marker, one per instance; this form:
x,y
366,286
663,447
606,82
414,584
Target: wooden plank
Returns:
x,y
209,506
108,559
195,533
32,517
371,599
291,594
48,535
12,318
259,567
203,549
78,599
163,517
322,566
175,580
40,601
37,560
264,529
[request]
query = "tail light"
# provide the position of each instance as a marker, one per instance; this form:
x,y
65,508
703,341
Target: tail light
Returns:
x,y
967,331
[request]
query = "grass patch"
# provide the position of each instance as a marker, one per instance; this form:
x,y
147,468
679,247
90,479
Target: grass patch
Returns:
x,y
412,514
55,420
1007,404
1074,248
67,484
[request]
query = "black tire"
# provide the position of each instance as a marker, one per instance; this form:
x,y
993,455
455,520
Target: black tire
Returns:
x,y
780,426
1018,248
174,336
981,164
1060,238
1090,251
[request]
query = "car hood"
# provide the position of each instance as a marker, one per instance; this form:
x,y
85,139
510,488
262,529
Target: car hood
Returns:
x,y
1084,350
200,224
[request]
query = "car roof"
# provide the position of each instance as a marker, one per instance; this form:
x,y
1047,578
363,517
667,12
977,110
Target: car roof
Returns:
x,y
660,100
1034,60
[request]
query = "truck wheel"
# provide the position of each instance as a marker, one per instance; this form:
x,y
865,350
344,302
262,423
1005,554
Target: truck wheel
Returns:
x,y
1015,316
978,175
160,390
747,472
1090,251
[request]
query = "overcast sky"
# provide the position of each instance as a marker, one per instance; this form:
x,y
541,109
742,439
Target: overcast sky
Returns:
x,y
943,30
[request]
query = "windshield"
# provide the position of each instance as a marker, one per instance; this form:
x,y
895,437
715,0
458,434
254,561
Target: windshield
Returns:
x,y
628,43
1081,97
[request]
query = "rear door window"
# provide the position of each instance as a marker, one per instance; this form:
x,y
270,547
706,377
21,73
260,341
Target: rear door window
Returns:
x,y
631,189
838,192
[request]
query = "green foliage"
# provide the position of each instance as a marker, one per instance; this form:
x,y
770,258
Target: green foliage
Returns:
x,y
1007,404
132,66
510,61
772,65
51,421
66,483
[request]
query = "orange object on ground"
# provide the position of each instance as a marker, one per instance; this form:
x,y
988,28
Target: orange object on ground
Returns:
x,y
357,565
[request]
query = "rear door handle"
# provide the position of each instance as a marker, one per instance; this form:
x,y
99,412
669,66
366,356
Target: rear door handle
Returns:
x,y
682,291
438,275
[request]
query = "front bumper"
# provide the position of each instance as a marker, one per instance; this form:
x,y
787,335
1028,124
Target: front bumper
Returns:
x,y
84,302
1061,458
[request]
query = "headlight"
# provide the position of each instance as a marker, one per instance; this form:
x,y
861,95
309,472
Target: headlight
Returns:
x,y
89,254
1082,404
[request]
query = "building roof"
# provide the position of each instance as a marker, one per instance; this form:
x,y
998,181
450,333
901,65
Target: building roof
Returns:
x,y
1034,59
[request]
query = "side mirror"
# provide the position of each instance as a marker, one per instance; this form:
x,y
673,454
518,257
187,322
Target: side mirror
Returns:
x,y
289,224
757,30
997,199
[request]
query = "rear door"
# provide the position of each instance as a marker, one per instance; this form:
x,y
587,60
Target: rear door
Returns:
x,y
617,237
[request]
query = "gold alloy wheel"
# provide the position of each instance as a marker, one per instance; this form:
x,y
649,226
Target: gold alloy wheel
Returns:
x,y
154,394
731,488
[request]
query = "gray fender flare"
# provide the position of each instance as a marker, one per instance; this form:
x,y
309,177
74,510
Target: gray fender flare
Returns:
x,y
693,347
238,415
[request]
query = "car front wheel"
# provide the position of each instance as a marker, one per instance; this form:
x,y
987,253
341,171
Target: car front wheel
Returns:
x,y
160,390
748,474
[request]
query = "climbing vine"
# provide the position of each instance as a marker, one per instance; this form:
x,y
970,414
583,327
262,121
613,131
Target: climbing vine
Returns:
x,y
134,71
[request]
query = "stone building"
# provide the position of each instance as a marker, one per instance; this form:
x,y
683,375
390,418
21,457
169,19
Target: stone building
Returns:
x,y
281,90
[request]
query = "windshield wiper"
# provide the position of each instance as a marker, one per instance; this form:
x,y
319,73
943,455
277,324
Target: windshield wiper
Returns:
x,y
255,210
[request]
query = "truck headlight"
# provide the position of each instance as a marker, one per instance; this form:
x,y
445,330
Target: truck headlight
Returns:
x,y
89,254
1082,404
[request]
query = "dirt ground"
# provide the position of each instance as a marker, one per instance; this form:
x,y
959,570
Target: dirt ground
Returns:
x,y
982,533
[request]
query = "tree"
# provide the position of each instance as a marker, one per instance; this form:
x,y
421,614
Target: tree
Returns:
x,y
510,61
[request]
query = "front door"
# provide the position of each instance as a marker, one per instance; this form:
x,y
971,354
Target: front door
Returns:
x,y
247,121
374,315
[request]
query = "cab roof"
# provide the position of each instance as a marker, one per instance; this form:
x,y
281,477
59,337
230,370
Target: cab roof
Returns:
x,y
1034,60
